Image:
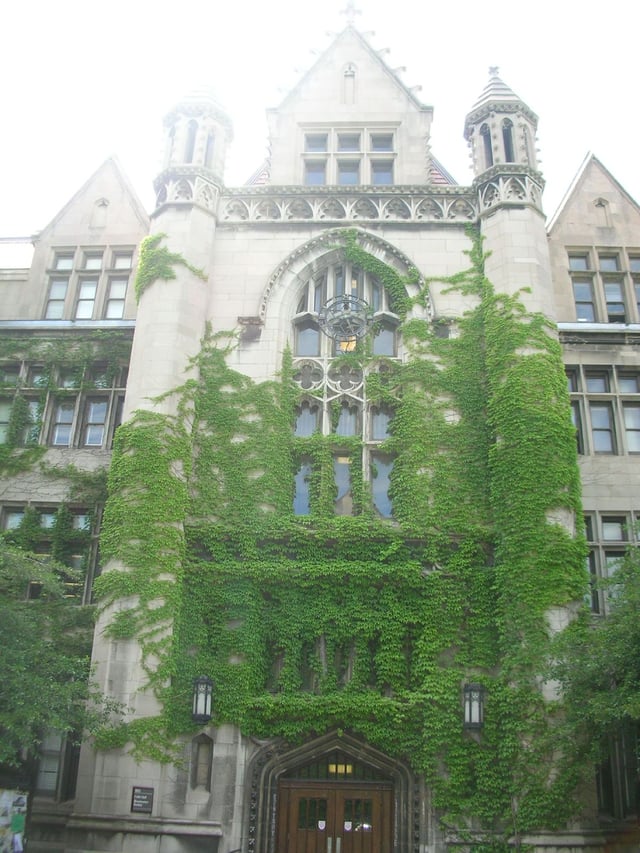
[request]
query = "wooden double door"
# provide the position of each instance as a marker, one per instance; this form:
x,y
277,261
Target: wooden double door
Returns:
x,y
322,817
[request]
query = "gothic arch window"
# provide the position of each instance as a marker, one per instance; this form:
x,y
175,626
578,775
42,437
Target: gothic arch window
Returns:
x,y
527,146
335,401
190,141
208,150
201,761
485,133
507,139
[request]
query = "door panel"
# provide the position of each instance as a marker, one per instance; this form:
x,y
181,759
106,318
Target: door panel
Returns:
x,y
325,818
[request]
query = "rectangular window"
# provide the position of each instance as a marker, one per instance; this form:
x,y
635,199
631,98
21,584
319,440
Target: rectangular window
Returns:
x,y
578,263
5,415
62,423
634,263
95,422
87,288
92,261
31,433
348,173
629,383
343,504
609,263
47,518
57,295
572,380
382,173
122,260
583,295
631,412
597,382
614,528
115,299
381,468
9,374
81,521
348,142
576,420
13,518
594,592
63,261
315,173
316,142
602,428
614,302
382,141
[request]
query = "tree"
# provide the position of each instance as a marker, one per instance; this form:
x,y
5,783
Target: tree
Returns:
x,y
45,646
598,661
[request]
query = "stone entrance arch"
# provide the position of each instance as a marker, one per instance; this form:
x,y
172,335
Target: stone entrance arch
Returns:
x,y
274,765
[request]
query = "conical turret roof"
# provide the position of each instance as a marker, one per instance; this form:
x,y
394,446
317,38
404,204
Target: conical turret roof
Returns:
x,y
497,94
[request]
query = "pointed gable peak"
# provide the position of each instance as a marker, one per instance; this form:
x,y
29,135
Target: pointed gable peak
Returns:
x,y
340,43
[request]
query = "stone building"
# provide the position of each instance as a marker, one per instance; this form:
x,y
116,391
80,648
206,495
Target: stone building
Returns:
x,y
319,478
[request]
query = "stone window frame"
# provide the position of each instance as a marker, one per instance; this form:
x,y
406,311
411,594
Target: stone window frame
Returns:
x,y
336,157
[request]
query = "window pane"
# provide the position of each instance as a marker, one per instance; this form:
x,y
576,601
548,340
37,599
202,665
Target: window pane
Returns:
x,y
306,421
348,142
578,262
348,173
615,302
122,260
628,383
307,339
342,476
609,263
93,261
632,427
613,529
301,505
381,468
380,420
63,262
597,382
315,142
382,141
96,416
584,301
601,427
382,172
384,341
347,420
315,173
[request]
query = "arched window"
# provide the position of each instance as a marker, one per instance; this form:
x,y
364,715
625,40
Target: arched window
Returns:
x,y
190,141
333,377
201,760
531,160
208,150
485,133
507,139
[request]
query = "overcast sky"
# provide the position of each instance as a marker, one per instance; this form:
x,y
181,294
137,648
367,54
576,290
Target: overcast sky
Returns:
x,y
83,80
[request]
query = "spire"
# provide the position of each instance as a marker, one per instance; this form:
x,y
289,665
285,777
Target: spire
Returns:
x,y
496,91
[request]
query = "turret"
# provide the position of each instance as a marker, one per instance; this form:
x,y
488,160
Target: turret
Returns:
x,y
500,128
501,131
197,134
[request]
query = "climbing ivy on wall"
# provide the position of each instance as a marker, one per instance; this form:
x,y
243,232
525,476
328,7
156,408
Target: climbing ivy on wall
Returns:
x,y
156,262
314,623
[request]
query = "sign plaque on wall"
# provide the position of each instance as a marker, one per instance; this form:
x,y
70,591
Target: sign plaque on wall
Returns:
x,y
142,800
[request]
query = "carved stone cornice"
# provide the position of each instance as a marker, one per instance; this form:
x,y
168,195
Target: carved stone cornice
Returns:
x,y
406,204
183,185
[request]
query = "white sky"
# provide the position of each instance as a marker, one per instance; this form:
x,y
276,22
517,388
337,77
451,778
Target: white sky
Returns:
x,y
86,79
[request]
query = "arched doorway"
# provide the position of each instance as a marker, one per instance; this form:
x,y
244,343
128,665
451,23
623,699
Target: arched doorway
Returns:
x,y
334,794
335,804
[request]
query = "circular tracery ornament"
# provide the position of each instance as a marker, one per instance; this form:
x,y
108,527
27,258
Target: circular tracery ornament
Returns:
x,y
345,318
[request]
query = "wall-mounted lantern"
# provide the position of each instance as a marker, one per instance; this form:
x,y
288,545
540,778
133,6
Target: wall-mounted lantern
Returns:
x,y
202,696
473,706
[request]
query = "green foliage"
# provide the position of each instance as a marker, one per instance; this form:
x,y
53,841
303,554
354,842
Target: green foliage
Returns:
x,y
44,665
313,623
156,262
598,662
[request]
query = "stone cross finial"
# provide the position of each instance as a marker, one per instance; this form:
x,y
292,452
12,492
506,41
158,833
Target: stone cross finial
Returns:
x,y
494,70
350,11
